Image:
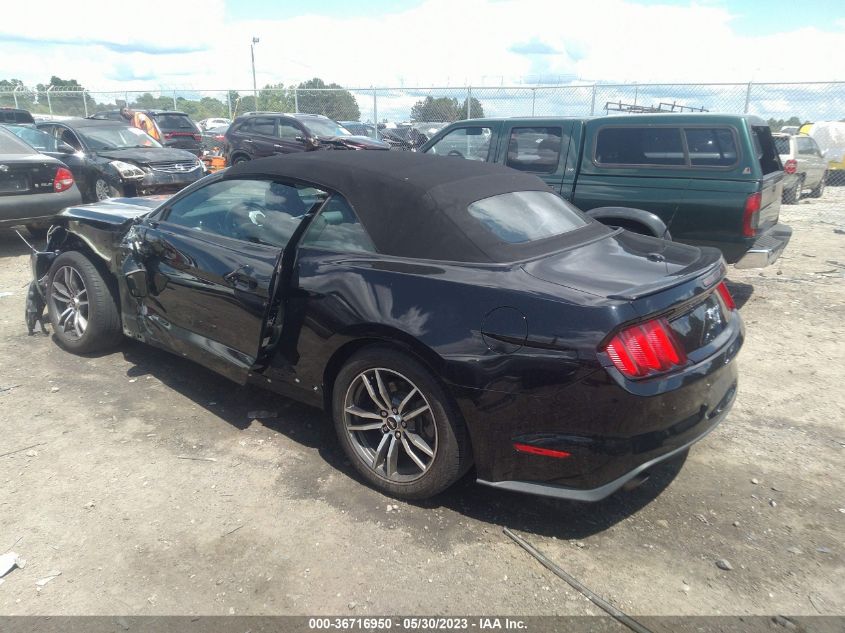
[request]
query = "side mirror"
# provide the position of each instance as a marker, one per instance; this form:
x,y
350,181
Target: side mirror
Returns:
x,y
136,278
65,148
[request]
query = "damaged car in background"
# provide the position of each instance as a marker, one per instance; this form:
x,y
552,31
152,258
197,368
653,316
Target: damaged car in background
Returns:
x,y
113,159
446,313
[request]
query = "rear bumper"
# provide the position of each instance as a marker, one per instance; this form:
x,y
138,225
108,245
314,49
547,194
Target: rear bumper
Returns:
x,y
597,494
766,248
611,429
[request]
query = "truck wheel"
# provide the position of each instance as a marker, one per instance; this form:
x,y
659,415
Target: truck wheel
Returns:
x,y
82,305
792,196
397,426
818,192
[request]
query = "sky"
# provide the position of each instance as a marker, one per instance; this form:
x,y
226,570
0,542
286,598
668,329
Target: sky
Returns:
x,y
206,45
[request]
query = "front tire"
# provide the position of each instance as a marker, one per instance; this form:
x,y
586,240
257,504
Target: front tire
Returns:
x,y
397,425
82,307
103,190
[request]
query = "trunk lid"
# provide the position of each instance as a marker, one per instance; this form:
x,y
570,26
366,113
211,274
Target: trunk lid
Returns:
x,y
23,175
626,266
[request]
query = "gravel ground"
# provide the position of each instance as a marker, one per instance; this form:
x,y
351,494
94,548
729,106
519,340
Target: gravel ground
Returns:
x,y
151,490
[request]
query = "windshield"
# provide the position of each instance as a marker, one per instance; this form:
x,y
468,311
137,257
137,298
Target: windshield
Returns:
x,y
526,216
114,137
325,127
41,141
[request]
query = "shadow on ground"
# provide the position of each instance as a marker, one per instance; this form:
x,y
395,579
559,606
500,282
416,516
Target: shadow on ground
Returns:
x,y
11,245
313,428
741,292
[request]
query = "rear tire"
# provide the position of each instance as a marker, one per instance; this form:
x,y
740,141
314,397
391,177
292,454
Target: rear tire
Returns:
x,y
240,158
412,457
82,305
792,196
818,192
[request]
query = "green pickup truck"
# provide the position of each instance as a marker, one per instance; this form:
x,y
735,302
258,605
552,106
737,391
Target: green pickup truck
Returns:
x,y
702,179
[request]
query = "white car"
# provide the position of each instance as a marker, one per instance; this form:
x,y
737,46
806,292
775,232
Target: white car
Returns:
x,y
206,124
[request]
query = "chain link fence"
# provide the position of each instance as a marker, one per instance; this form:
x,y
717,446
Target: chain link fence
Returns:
x,y
780,103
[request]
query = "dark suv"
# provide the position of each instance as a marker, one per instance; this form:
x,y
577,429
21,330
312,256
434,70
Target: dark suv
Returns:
x,y
260,134
174,129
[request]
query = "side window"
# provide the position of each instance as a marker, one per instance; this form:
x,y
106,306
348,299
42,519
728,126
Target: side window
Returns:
x,y
338,228
288,131
657,146
714,147
258,211
464,142
816,149
535,149
264,126
70,138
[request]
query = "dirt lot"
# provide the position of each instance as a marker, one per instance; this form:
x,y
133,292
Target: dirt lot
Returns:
x,y
278,524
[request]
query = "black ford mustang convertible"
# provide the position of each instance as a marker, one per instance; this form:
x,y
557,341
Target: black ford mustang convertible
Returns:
x,y
447,313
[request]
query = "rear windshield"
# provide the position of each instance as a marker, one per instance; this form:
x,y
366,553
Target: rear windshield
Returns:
x,y
764,147
11,144
41,141
782,144
174,122
526,216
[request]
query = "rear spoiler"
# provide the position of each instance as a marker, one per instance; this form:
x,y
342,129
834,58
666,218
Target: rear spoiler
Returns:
x,y
710,269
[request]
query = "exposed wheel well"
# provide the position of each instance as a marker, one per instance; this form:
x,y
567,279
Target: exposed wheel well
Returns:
x,y
629,225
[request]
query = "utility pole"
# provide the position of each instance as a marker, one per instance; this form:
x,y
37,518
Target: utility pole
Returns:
x,y
254,84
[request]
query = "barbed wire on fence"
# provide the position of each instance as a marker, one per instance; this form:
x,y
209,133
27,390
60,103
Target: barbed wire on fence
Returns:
x,y
783,103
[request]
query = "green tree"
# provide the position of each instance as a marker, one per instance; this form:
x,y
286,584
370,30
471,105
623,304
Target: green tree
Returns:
x,y
275,98
441,109
337,103
12,89
778,124
67,97
476,111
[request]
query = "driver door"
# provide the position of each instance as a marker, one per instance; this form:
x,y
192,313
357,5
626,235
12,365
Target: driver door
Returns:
x,y
212,260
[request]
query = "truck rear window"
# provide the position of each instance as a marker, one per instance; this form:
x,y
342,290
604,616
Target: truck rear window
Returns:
x,y
782,144
656,146
174,123
764,148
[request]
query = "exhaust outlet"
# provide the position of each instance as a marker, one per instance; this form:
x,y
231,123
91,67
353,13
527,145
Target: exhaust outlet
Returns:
x,y
637,481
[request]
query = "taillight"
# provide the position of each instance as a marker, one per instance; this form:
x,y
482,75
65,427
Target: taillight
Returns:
x,y
645,349
197,137
790,166
63,180
727,299
751,214
168,135
219,137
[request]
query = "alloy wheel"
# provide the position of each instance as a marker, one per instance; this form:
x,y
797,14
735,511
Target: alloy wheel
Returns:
x,y
390,425
69,298
102,189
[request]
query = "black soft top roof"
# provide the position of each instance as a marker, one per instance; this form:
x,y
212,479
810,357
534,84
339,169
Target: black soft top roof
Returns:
x,y
412,205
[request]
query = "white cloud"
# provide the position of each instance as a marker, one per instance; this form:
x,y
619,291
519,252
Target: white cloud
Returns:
x,y
438,42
